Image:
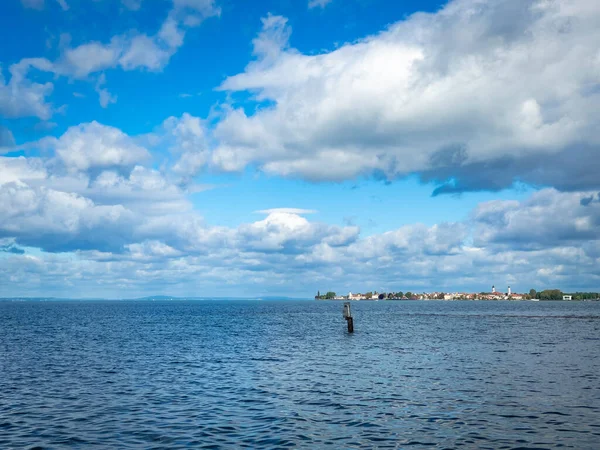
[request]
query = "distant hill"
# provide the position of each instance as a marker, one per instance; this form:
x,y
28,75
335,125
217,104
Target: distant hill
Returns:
x,y
160,298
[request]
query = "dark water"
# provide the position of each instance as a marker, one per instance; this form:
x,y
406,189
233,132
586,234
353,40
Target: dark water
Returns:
x,y
285,374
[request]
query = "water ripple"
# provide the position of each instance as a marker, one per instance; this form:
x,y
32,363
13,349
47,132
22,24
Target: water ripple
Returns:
x,y
285,374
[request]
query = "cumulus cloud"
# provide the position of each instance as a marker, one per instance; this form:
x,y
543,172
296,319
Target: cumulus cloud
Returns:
x,y
548,219
43,208
89,58
287,232
146,52
20,97
475,96
60,221
91,192
142,190
93,146
443,239
186,138
131,51
21,169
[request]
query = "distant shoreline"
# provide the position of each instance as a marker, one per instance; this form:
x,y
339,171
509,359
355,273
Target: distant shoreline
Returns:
x,y
450,300
233,299
149,299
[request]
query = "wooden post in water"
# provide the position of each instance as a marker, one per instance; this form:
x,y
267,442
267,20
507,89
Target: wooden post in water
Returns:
x,y
348,317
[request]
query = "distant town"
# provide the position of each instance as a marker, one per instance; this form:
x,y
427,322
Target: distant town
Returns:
x,y
494,294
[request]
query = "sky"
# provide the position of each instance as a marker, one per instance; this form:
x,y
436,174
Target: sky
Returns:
x,y
280,147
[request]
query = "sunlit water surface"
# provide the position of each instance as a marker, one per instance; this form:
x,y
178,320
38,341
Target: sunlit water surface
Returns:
x,y
237,374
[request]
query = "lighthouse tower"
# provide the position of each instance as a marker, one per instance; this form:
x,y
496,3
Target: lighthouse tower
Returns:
x,y
509,290
493,289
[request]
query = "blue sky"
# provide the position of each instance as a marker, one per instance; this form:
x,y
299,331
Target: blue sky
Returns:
x,y
206,147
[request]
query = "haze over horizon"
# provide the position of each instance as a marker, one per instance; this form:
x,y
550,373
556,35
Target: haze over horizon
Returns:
x,y
220,148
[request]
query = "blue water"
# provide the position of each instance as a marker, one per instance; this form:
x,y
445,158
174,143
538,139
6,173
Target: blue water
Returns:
x,y
281,374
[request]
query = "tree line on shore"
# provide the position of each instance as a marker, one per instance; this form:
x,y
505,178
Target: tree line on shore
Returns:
x,y
556,294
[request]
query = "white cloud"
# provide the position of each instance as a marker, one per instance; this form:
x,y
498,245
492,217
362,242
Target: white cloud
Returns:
x,y
143,190
548,219
273,39
297,211
318,3
290,233
133,5
60,221
205,7
105,97
480,93
21,170
171,33
39,4
90,57
93,146
101,202
130,52
145,52
21,97
413,240
33,4
187,141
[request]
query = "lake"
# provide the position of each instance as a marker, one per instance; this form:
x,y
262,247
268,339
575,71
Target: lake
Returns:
x,y
277,374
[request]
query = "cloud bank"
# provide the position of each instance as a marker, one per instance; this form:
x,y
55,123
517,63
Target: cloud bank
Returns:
x,y
479,95
93,214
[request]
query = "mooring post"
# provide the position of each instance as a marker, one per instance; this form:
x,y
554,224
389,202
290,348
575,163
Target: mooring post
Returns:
x,y
348,317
